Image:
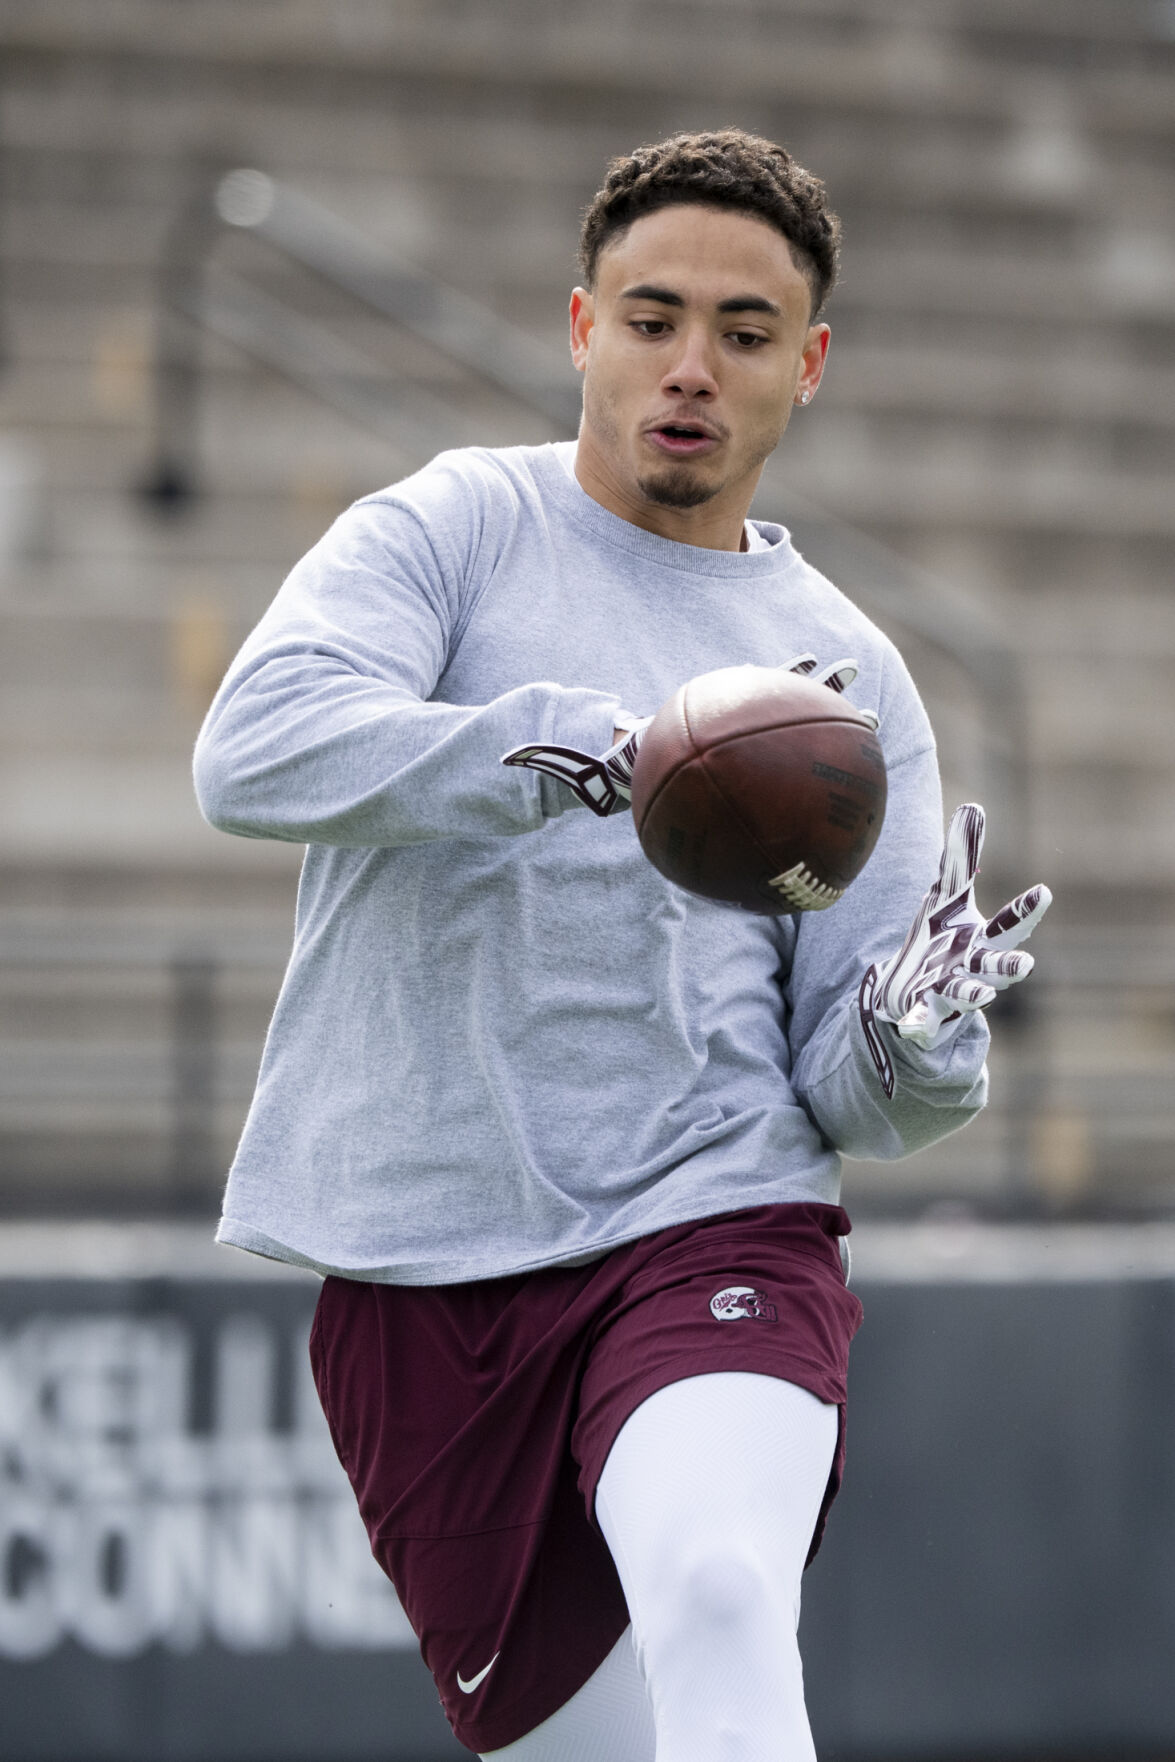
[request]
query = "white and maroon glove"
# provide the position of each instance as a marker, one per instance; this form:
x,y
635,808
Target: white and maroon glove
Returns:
x,y
837,676
604,784
953,962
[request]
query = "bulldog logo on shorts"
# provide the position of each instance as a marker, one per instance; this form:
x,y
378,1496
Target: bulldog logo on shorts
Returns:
x,y
741,1303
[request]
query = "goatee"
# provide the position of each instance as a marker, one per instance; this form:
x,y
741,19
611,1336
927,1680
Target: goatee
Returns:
x,y
676,490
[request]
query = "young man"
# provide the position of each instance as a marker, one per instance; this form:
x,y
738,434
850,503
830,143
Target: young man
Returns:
x,y
565,1140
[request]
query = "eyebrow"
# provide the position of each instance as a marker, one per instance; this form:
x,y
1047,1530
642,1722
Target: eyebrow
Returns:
x,y
737,303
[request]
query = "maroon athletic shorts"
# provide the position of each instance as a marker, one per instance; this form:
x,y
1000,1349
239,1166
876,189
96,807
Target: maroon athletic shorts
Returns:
x,y
474,1421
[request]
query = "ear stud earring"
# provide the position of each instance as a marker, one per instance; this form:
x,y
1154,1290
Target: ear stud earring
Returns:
x,y
804,397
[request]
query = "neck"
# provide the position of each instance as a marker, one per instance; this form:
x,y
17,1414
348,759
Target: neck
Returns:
x,y
716,525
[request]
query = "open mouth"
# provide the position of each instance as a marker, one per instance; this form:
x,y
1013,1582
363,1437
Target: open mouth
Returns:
x,y
680,438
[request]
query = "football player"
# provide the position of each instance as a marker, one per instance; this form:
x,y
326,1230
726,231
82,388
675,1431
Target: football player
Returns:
x,y
565,1141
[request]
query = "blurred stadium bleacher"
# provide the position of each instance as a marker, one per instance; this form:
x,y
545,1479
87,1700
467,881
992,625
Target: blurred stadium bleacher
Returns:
x,y
998,418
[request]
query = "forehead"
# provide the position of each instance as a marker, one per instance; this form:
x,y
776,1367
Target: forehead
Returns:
x,y
706,254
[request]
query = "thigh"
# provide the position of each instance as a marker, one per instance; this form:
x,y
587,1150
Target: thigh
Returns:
x,y
760,1292
726,1465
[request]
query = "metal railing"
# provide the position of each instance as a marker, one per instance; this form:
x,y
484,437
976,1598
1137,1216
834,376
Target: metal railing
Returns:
x,y
194,297
168,1073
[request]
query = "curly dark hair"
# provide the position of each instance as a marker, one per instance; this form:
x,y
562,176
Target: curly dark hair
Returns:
x,y
726,169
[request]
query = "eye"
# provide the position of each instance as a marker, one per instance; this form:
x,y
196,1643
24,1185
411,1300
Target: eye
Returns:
x,y
650,326
747,339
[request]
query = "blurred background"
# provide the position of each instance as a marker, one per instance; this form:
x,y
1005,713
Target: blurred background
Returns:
x,y
257,258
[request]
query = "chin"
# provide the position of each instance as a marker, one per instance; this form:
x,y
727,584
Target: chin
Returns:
x,y
675,489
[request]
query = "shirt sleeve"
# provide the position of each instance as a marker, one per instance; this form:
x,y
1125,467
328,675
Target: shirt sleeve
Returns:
x,y
326,731
833,1073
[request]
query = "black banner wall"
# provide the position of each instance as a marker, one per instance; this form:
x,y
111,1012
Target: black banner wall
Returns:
x,y
184,1578
183,1574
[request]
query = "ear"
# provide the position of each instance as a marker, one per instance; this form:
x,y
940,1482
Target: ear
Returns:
x,y
815,354
583,319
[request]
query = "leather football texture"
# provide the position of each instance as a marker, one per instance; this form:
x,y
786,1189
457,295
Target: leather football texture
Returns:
x,y
757,788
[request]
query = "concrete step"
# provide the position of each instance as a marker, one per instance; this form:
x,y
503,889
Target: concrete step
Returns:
x,y
118,808
874,474
1018,387
861,57
992,180
898,259
1112,275
133,1006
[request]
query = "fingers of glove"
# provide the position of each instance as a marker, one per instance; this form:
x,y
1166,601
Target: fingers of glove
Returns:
x,y
966,992
960,855
1000,968
620,759
837,675
527,756
897,986
932,1021
1019,918
585,776
922,957
915,1025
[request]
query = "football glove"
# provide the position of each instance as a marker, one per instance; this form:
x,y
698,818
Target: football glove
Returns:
x,y
837,676
953,962
605,784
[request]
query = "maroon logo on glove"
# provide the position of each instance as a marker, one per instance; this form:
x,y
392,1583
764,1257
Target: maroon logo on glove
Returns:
x,y
873,1040
742,1303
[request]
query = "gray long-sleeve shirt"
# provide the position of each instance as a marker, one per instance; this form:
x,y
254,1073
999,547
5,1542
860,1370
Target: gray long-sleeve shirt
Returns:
x,y
503,1040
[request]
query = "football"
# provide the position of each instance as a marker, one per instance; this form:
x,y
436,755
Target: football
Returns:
x,y
758,788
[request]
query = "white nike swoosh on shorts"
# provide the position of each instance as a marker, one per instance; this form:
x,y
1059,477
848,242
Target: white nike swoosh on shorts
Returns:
x,y
467,1688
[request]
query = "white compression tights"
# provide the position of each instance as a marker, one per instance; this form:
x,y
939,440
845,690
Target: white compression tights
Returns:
x,y
707,1501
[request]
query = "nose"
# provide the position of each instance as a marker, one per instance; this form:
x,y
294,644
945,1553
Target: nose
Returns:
x,y
691,373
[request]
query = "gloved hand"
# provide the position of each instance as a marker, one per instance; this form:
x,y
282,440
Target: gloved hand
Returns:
x,y
837,676
953,962
604,784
